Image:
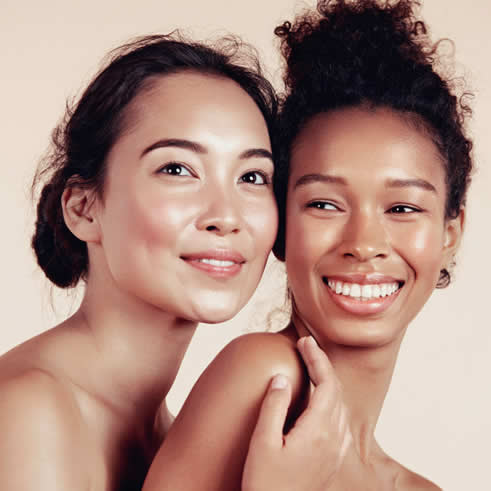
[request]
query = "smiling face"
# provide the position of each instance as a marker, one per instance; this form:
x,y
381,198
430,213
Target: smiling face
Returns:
x,y
188,217
366,234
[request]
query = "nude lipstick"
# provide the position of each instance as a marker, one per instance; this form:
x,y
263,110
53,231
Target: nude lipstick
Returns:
x,y
218,263
363,294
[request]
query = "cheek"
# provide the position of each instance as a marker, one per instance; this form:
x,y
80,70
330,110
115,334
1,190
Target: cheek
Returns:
x,y
155,219
165,218
424,249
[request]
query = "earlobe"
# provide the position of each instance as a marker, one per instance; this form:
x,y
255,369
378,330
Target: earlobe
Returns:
x,y
78,212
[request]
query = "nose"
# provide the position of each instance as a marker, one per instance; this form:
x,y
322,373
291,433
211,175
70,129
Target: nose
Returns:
x,y
221,214
364,237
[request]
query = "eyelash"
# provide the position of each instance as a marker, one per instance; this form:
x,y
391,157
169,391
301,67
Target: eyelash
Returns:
x,y
319,205
175,165
412,209
396,210
266,179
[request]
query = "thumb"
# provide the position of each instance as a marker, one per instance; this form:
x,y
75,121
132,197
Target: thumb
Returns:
x,y
274,409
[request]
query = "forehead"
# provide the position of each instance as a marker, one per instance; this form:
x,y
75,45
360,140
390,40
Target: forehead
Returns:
x,y
183,100
367,143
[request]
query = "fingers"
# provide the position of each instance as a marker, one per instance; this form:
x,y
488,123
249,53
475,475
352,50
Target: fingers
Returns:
x,y
274,409
326,413
318,364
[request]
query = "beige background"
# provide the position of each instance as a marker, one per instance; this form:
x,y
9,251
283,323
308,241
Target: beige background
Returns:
x,y
437,415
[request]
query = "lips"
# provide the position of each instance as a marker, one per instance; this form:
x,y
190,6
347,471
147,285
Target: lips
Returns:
x,y
363,291
361,294
219,263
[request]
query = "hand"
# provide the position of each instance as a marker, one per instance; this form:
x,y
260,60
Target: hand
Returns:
x,y
308,457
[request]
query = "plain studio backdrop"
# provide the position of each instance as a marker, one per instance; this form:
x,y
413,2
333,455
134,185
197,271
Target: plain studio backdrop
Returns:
x,y
436,416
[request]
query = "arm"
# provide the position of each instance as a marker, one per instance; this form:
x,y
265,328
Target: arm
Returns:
x,y
37,447
207,445
274,460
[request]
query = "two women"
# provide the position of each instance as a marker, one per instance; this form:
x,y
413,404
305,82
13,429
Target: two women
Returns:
x,y
371,189
100,377
159,196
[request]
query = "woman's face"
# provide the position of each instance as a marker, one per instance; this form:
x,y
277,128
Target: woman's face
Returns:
x,y
188,216
366,235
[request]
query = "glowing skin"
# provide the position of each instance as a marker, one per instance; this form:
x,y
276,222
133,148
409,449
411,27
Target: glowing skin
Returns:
x,y
188,215
366,232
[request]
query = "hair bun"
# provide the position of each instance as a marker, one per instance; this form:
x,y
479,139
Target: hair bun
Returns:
x,y
61,256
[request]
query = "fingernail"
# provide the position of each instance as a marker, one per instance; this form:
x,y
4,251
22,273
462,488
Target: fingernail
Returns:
x,y
311,341
279,382
300,342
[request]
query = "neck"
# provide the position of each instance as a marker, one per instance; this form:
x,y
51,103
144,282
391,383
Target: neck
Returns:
x,y
365,374
133,352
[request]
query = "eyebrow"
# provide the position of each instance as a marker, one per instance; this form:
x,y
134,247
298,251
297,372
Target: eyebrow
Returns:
x,y
176,143
324,178
198,148
256,152
405,183
392,183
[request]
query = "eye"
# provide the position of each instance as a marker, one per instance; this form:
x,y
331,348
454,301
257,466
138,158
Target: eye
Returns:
x,y
255,177
322,205
175,169
403,209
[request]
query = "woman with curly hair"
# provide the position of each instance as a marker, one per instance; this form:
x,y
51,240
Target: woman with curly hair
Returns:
x,y
157,194
371,190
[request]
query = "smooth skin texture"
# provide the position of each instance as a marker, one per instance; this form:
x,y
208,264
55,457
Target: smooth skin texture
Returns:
x,y
366,204
323,426
202,428
190,175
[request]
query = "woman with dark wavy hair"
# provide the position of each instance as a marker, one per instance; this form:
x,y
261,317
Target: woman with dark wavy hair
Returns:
x,y
157,194
373,173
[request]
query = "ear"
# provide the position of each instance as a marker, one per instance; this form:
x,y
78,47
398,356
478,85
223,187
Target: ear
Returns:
x,y
454,228
79,207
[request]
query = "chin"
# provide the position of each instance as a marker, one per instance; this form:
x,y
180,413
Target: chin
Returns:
x,y
213,307
220,310
362,335
214,316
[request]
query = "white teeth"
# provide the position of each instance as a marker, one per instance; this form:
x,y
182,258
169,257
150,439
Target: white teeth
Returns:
x,y
363,292
366,291
355,290
216,262
376,291
383,290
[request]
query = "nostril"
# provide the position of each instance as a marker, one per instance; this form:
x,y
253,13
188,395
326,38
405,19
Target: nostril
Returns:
x,y
211,228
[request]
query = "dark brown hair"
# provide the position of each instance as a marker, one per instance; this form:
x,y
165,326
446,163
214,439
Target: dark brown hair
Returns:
x,y
80,144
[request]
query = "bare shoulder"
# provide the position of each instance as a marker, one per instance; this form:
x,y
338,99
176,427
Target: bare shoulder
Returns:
x,y
251,360
220,413
262,355
244,369
39,422
410,481
34,390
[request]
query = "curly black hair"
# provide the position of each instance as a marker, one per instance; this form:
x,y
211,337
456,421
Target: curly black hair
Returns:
x,y
370,53
82,141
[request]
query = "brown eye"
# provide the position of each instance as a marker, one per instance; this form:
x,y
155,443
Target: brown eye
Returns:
x,y
175,169
402,209
322,205
254,177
